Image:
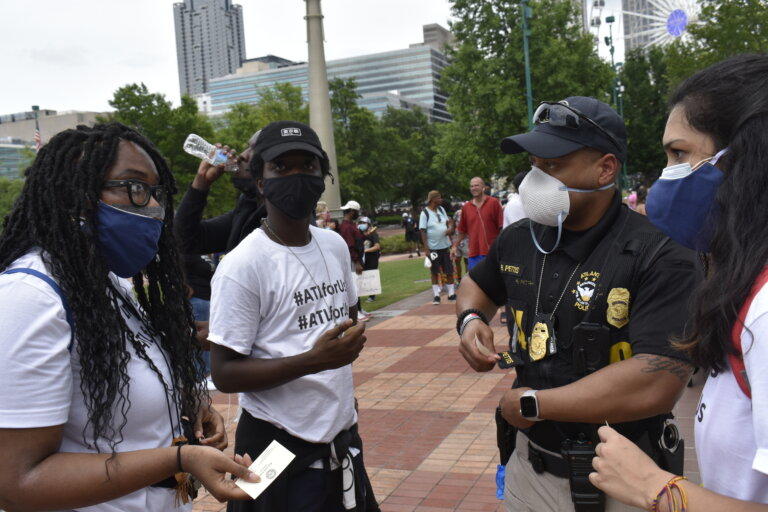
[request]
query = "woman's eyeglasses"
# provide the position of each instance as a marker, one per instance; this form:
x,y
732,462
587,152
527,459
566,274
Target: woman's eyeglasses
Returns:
x,y
139,192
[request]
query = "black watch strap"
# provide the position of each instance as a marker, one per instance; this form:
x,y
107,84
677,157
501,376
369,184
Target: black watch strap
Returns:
x,y
464,314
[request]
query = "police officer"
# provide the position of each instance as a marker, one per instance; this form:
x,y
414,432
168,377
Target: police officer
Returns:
x,y
593,293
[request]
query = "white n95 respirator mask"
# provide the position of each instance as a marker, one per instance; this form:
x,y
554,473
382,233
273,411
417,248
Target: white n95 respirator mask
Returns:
x,y
546,201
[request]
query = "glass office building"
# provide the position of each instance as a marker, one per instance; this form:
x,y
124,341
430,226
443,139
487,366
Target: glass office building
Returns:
x,y
12,158
404,78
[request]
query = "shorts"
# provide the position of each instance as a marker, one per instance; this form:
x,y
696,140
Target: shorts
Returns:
x,y
442,263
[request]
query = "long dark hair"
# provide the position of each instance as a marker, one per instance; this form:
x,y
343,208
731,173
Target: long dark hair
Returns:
x,y
56,213
729,102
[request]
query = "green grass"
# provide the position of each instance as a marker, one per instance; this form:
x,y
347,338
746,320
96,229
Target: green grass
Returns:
x,y
398,281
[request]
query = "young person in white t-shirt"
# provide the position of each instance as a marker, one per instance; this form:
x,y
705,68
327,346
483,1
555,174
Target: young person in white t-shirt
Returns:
x,y
94,381
709,198
282,314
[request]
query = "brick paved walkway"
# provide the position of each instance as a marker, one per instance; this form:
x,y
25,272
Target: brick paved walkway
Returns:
x,y
426,418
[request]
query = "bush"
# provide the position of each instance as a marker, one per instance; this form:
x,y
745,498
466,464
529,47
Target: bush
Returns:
x,y
385,220
9,191
394,244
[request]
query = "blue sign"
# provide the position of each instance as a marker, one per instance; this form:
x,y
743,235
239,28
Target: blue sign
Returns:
x,y
676,22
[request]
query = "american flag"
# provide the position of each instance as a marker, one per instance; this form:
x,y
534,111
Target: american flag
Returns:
x,y
38,140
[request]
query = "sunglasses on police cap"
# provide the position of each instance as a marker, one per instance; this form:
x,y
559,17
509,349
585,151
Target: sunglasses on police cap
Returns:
x,y
562,115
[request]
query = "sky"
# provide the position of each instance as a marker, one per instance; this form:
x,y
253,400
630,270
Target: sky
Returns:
x,y
73,54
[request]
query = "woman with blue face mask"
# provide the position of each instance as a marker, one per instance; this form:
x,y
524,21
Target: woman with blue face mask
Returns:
x,y
712,197
96,381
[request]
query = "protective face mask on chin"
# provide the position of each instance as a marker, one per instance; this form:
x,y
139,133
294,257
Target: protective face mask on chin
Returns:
x,y
546,201
681,203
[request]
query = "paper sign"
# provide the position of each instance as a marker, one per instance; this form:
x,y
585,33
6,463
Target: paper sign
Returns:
x,y
369,283
268,466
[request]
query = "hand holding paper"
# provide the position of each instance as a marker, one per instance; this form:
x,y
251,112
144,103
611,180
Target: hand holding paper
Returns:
x,y
268,466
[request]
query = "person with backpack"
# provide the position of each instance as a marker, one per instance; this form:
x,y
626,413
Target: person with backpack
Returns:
x,y
708,198
593,293
436,229
100,374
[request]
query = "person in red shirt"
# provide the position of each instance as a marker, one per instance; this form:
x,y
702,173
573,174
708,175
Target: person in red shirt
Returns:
x,y
481,220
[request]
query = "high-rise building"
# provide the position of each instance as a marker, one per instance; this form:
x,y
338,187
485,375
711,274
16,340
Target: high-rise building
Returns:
x,y
406,78
210,42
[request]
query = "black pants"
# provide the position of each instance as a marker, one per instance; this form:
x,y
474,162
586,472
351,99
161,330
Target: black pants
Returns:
x,y
299,488
308,491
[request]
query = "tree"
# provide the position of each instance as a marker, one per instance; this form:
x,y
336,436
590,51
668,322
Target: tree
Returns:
x,y
282,102
167,127
360,144
645,111
485,80
9,191
409,152
725,28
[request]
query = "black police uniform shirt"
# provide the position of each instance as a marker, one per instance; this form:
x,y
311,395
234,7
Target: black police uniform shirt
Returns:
x,y
644,305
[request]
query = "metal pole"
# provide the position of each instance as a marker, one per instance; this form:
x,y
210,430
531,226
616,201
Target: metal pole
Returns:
x,y
525,12
320,118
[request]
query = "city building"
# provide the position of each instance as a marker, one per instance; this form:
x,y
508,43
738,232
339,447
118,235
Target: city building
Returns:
x,y
210,42
21,126
13,156
405,78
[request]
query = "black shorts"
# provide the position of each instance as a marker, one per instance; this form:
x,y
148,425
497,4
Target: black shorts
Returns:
x,y
442,263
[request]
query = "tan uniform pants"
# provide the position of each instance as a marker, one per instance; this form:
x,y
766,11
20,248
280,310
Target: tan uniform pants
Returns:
x,y
528,491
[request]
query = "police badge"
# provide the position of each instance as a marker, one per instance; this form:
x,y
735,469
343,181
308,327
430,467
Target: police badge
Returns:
x,y
542,339
618,307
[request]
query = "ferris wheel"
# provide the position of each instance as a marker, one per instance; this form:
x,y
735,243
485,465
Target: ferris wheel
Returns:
x,y
663,20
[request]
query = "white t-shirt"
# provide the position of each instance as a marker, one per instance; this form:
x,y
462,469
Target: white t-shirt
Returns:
x,y
266,305
40,379
513,210
731,429
436,226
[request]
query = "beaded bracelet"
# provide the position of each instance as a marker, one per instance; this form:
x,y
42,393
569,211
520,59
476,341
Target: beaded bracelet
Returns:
x,y
671,499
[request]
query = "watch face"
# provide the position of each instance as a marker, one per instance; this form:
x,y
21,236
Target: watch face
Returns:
x,y
528,407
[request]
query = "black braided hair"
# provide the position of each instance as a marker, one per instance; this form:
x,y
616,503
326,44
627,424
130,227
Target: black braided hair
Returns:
x,y
56,213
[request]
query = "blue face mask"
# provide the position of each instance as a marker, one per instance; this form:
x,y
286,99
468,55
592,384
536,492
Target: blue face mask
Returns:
x,y
362,227
682,202
128,241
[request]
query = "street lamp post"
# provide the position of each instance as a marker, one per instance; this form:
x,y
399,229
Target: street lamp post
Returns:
x,y
525,14
320,118
609,42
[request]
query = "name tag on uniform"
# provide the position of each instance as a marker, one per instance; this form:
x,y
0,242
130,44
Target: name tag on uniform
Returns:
x,y
506,268
268,466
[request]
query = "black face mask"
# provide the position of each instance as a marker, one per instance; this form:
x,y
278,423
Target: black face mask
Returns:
x,y
295,195
246,185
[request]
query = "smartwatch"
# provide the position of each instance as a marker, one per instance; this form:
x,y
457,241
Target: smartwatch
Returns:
x,y
529,406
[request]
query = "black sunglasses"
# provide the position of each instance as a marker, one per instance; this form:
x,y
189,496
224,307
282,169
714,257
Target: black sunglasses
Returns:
x,y
139,192
559,114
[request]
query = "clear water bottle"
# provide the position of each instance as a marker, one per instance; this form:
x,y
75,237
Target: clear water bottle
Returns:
x,y
197,146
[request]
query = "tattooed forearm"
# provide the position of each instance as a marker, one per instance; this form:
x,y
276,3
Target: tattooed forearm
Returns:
x,y
654,363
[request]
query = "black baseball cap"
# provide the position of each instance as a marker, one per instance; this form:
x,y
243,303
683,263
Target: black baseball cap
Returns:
x,y
283,136
549,141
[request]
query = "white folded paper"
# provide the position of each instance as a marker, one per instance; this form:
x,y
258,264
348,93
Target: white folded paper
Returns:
x,y
482,348
268,466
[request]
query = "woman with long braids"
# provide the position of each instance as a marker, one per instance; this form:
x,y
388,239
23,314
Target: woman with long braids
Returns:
x,y
712,198
95,383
